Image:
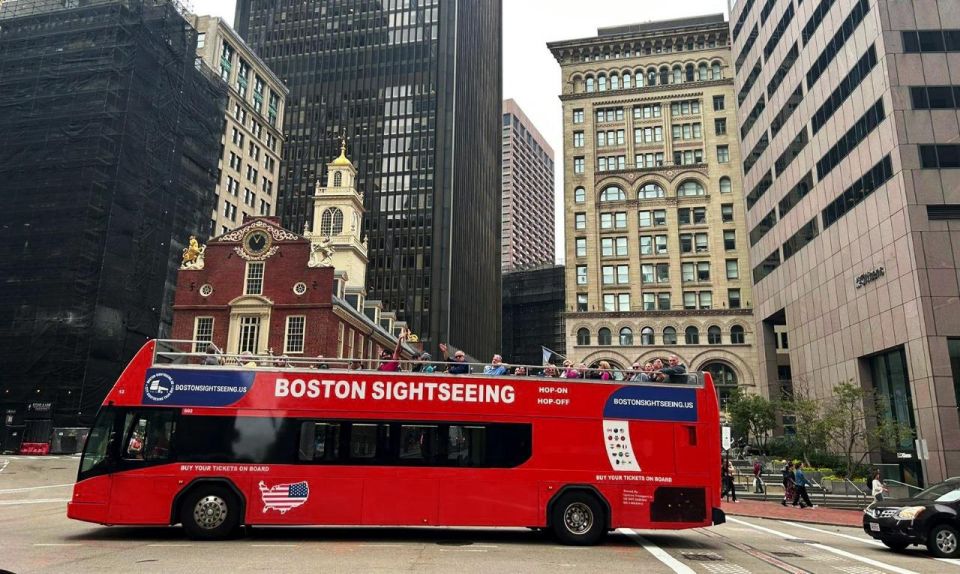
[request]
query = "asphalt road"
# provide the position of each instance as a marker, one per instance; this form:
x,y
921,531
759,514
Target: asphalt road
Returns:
x,y
36,536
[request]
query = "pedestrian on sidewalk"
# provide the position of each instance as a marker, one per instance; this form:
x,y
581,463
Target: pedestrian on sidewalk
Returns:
x,y
758,486
789,483
728,475
801,486
877,486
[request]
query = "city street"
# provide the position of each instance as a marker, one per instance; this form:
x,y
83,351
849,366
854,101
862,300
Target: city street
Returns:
x,y
36,536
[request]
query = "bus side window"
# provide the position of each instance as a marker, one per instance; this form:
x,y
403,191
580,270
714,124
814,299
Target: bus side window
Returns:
x,y
367,440
147,435
418,444
319,442
466,445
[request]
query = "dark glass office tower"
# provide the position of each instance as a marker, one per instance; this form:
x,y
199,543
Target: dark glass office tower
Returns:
x,y
416,86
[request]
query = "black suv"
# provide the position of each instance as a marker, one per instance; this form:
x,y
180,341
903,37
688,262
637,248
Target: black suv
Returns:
x,y
931,518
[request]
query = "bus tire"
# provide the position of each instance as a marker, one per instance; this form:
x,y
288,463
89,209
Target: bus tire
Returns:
x,y
578,519
210,512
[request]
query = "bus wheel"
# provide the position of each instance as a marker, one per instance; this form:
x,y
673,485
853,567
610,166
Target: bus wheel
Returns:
x,y
579,519
210,513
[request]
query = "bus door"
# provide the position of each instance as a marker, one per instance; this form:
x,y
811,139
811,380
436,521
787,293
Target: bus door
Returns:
x,y
144,482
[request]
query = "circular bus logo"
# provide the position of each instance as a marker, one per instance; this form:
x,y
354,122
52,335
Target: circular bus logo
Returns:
x,y
159,387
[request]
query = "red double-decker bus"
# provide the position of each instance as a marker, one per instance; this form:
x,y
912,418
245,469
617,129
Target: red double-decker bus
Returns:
x,y
215,448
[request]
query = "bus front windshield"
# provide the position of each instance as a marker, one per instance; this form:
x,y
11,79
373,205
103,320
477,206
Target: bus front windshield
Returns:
x,y
96,451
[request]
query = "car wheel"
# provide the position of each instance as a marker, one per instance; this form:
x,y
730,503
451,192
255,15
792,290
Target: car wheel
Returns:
x,y
579,519
944,541
210,513
896,546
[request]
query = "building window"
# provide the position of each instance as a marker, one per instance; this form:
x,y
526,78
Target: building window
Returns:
x,y
612,193
579,195
736,335
202,333
733,298
581,302
939,156
293,339
733,269
891,381
646,245
578,165
689,188
703,271
580,221
718,103
726,212
249,334
700,242
729,239
713,335
581,274
604,337
650,191
669,336
723,154
621,246
692,336
578,116
581,246
331,222
201,40
663,301
724,380
725,186
583,337
608,275
919,41
577,139
626,337
706,299
254,279
623,301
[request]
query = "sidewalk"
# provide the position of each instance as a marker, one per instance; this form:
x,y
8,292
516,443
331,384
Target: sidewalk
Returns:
x,y
776,511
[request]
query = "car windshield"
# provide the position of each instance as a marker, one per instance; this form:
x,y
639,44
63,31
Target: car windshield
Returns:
x,y
943,492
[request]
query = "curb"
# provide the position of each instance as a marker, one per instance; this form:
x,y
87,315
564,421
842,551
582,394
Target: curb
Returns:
x,y
803,520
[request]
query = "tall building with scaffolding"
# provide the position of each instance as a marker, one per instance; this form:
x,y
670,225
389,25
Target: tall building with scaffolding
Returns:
x,y
109,141
416,88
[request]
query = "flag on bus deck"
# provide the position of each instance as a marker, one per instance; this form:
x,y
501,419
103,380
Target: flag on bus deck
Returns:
x,y
550,356
284,497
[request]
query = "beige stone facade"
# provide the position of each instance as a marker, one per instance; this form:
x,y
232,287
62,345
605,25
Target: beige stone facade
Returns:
x,y
853,193
252,137
656,241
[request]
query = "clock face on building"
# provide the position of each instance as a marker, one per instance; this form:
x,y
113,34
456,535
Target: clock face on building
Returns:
x,y
256,242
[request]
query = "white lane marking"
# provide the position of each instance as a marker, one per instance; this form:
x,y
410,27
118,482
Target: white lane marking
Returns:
x,y
658,553
169,545
954,561
37,501
56,544
836,551
29,488
3,464
383,544
462,550
274,545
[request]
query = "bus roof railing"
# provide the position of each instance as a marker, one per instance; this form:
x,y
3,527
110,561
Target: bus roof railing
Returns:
x,y
171,352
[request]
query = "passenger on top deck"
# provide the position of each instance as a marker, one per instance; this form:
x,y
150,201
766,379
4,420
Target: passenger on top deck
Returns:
x,y
390,362
458,364
675,373
496,368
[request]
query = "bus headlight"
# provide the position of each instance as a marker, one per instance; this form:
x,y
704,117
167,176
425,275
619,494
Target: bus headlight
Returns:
x,y
910,512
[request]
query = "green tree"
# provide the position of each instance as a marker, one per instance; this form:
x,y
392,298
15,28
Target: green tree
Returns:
x,y
856,422
810,429
752,415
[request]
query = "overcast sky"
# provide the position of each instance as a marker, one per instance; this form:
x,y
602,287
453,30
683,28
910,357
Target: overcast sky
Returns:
x,y
530,74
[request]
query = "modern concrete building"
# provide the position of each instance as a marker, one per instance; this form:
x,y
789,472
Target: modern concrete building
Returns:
x,y
252,139
416,88
656,248
527,227
848,116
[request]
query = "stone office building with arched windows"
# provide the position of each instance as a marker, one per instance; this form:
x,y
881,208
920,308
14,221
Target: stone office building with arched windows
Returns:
x,y
656,242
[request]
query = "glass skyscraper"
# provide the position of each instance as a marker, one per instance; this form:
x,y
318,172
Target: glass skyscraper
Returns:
x,y
415,86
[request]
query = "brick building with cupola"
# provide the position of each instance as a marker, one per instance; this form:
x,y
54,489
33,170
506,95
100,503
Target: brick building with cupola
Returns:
x,y
266,290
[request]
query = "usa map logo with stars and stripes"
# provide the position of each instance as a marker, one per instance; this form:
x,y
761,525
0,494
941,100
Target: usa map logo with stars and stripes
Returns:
x,y
284,497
